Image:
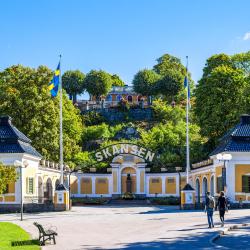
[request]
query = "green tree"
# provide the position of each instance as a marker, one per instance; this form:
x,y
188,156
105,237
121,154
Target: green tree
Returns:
x,y
73,83
220,99
168,141
170,85
168,63
242,61
25,97
144,82
173,73
98,83
117,81
8,175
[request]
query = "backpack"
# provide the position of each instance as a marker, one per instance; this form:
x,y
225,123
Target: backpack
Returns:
x,y
211,203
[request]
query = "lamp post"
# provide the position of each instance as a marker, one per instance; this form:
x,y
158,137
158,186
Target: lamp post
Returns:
x,y
178,170
21,165
225,158
70,172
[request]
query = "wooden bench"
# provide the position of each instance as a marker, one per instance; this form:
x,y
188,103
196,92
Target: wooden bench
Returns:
x,y
45,235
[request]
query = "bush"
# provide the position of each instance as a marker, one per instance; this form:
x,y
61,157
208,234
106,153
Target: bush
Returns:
x,y
171,200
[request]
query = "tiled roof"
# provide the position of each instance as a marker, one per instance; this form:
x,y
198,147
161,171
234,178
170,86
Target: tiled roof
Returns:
x,y
14,141
236,139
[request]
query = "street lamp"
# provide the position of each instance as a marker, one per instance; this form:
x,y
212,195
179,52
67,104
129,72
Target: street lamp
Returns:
x,y
70,172
21,165
178,170
225,158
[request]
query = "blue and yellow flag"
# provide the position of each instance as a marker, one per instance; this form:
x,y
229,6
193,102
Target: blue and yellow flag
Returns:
x,y
54,84
186,85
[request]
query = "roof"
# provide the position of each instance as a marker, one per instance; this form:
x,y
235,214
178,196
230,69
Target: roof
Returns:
x,y
188,187
14,141
236,139
122,90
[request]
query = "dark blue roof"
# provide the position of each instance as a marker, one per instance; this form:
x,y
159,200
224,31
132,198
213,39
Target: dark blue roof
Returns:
x,y
236,139
12,140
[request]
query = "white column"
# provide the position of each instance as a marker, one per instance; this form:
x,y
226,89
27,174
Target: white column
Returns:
x,y
79,184
138,174
93,184
230,180
163,183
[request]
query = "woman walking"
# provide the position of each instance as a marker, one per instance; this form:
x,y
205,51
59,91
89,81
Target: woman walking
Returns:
x,y
222,206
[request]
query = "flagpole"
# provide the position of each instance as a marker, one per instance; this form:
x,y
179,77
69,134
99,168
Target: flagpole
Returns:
x,y
61,125
187,128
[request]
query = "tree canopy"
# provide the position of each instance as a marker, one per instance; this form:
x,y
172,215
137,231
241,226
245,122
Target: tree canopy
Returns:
x,y
144,82
117,81
25,97
8,175
220,98
73,83
98,83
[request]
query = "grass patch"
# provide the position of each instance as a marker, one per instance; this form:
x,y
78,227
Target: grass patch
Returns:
x,y
14,237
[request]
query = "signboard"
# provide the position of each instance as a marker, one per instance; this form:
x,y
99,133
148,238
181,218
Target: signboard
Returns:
x,y
188,198
60,197
124,148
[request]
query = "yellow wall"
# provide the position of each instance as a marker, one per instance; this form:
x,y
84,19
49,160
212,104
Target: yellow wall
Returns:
x,y
124,185
115,186
101,186
238,197
128,170
239,171
183,182
170,187
11,188
9,198
86,186
155,187
74,187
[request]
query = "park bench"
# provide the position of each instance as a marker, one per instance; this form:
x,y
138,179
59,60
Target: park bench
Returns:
x,y
45,235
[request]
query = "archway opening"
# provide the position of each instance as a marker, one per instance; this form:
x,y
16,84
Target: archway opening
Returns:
x,y
128,173
48,194
204,188
197,190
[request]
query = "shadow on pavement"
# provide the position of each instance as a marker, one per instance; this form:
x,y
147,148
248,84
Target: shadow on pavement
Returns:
x,y
193,242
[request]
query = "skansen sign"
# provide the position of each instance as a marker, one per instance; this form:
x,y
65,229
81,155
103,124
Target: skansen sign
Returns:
x,y
124,148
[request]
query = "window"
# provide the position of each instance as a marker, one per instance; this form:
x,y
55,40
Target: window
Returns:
x,y
246,184
30,185
219,184
103,181
86,180
155,180
170,180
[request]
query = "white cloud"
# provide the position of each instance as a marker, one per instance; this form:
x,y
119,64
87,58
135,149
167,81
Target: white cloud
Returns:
x,y
246,36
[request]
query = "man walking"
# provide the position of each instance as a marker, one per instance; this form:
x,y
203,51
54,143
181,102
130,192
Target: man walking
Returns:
x,y
222,206
209,208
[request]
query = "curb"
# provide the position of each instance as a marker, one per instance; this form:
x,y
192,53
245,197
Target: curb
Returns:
x,y
223,232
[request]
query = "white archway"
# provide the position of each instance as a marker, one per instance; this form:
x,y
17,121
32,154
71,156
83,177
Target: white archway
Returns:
x,y
204,188
212,185
197,190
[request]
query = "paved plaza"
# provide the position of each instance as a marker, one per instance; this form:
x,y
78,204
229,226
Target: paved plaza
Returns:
x,y
106,227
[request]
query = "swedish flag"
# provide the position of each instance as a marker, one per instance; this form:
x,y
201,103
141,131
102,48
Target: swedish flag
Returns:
x,y
54,84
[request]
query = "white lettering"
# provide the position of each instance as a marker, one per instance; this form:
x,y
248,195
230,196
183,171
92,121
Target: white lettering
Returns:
x,y
134,149
115,150
99,156
149,156
141,152
124,148
106,152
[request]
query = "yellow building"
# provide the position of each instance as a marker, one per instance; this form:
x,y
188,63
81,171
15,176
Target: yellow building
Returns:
x,y
128,171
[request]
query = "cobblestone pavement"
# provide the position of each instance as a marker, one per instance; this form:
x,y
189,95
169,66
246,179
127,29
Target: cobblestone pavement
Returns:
x,y
235,239
107,227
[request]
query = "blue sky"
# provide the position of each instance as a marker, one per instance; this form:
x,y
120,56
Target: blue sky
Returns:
x,y
120,36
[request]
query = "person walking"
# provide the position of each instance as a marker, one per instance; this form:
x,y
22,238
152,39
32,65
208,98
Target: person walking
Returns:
x,y
222,207
209,209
